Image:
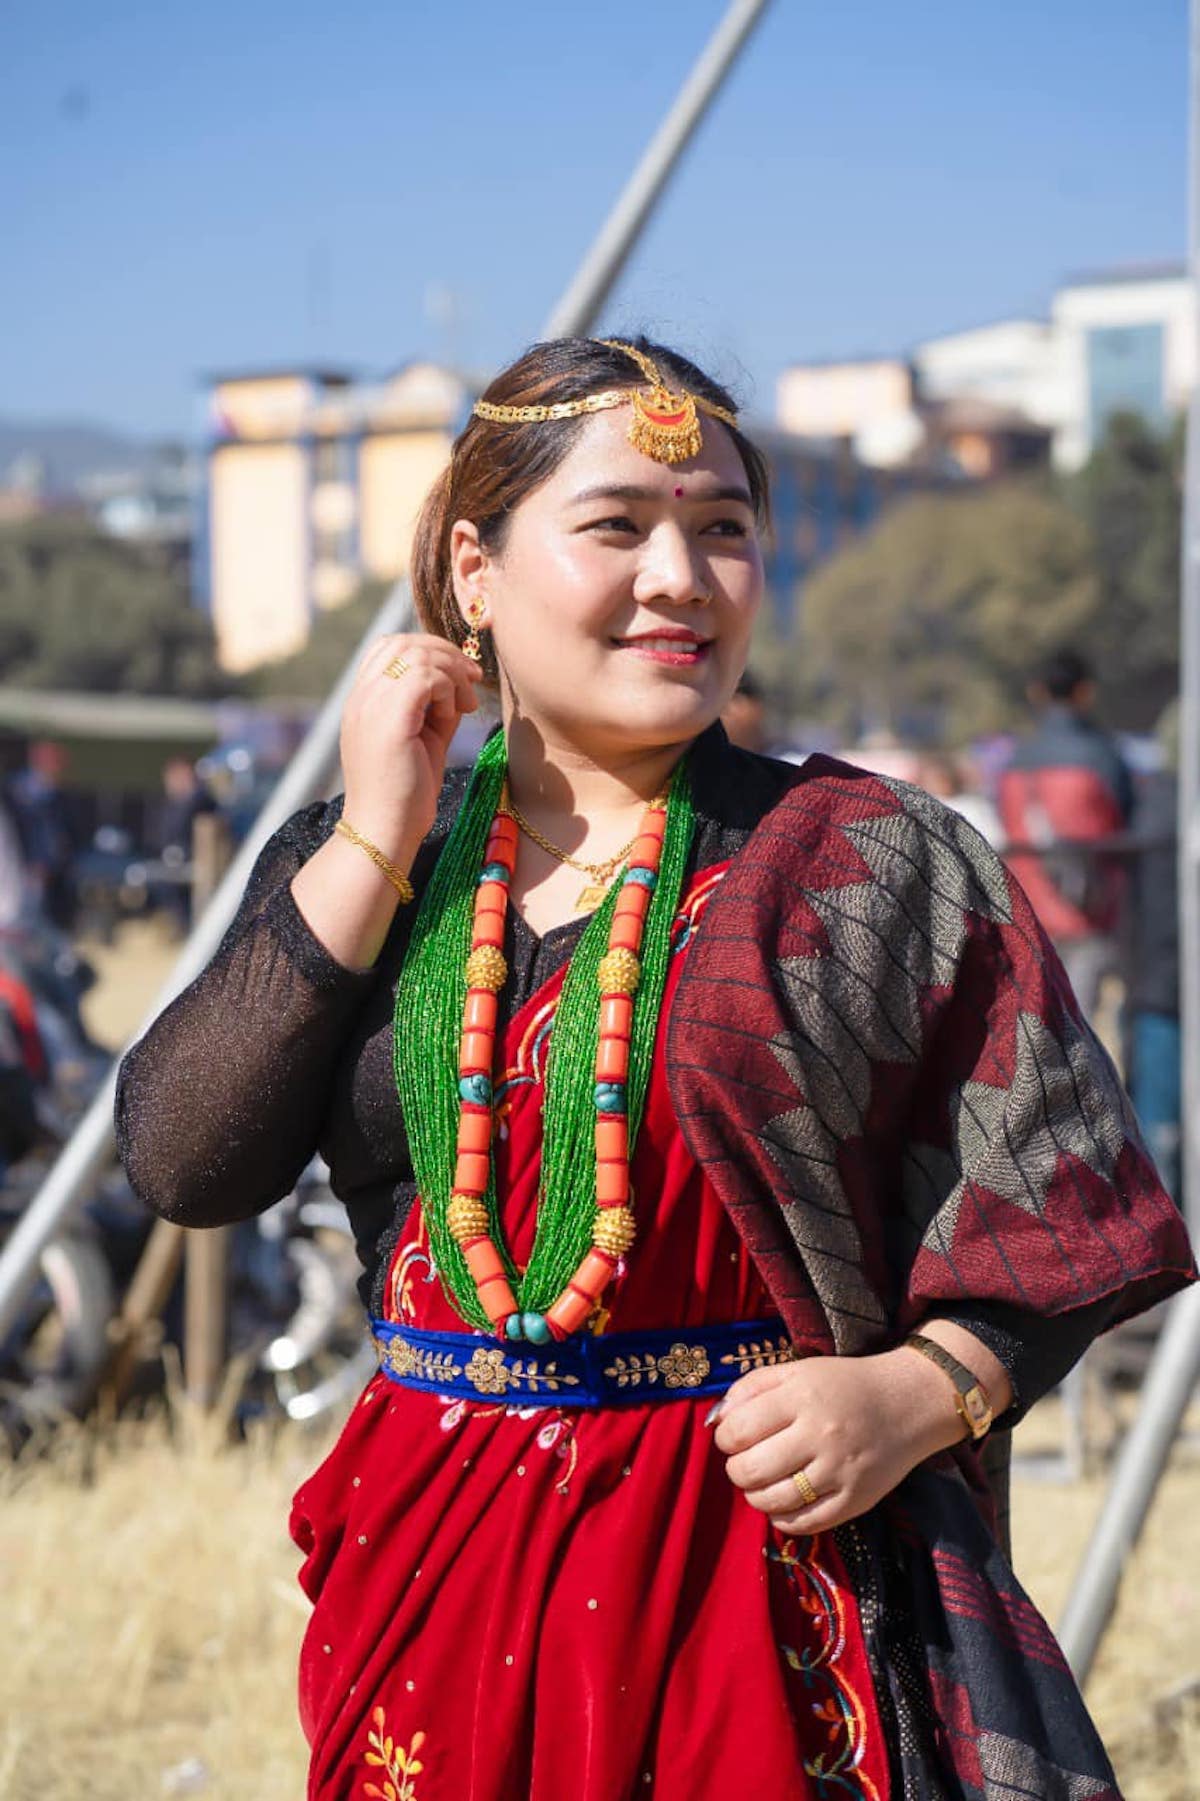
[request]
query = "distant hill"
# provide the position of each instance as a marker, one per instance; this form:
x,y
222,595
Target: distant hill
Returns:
x,y
70,450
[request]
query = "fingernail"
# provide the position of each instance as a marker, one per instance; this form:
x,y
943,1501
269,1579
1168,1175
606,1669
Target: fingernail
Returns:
x,y
715,1411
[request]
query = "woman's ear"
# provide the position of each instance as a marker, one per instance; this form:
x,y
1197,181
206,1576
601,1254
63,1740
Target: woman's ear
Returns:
x,y
468,564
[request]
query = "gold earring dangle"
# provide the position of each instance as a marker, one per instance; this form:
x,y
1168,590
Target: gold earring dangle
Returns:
x,y
473,648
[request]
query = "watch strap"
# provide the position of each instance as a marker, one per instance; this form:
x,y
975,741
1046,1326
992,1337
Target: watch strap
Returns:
x,y
970,1396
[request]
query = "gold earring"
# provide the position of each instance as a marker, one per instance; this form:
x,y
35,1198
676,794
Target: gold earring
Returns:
x,y
473,648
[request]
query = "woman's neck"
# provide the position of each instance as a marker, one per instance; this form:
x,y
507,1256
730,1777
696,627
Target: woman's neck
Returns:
x,y
580,808
560,782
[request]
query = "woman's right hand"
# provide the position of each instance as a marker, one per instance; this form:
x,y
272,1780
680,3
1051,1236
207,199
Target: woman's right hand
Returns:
x,y
396,731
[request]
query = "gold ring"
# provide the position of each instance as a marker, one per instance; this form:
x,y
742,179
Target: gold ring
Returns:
x,y
396,668
808,1493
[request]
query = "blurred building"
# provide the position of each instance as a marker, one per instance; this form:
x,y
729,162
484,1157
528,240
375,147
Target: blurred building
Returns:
x,y
822,497
981,402
313,484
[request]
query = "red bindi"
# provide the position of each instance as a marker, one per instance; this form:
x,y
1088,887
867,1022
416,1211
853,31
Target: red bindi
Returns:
x,y
679,493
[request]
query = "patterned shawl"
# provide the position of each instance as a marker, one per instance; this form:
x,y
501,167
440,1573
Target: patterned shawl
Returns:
x,y
877,1058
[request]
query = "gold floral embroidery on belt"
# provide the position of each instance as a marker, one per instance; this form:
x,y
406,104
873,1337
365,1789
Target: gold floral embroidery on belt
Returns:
x,y
683,1366
408,1360
493,1373
757,1356
490,1372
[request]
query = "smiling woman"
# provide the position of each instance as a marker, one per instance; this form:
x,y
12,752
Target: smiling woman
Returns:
x,y
710,1215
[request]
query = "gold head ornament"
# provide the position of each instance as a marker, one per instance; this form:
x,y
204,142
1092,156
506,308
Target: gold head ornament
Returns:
x,y
665,424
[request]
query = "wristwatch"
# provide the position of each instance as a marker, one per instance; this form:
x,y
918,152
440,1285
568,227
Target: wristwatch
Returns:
x,y
970,1396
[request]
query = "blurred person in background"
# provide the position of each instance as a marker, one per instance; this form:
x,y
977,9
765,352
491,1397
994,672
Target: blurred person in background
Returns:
x,y
1152,1000
692,1327
47,832
1066,789
186,798
14,881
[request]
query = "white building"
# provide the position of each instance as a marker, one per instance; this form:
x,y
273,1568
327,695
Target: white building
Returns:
x,y
1010,364
1123,341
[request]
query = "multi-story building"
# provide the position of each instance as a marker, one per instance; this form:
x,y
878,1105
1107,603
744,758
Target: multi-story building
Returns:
x,y
313,486
987,399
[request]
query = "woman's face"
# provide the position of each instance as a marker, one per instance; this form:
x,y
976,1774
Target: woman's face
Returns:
x,y
622,601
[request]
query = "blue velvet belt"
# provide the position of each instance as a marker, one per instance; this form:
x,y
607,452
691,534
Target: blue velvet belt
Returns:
x,y
677,1363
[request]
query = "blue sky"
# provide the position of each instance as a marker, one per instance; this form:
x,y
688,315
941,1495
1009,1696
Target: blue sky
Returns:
x,y
190,187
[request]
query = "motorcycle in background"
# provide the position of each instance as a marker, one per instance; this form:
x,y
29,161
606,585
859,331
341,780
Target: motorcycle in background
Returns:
x,y
295,1322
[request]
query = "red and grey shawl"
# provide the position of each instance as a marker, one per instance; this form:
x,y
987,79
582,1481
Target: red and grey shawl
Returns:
x,y
876,1056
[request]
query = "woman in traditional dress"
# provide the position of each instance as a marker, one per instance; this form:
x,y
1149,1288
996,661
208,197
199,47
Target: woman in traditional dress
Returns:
x,y
726,1155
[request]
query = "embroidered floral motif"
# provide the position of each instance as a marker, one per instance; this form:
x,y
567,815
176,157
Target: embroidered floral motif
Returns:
x,y
412,1257
556,1434
401,1767
406,1360
530,1066
834,1700
683,1366
487,1373
756,1356
494,1373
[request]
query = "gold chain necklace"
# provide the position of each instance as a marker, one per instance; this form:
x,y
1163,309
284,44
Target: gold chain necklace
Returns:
x,y
601,873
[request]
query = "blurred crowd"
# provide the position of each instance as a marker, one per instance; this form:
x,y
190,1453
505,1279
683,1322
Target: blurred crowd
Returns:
x,y
61,884
1087,824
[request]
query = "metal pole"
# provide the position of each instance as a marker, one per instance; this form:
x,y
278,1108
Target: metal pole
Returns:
x,y
1168,1387
603,264
1189,706
89,1150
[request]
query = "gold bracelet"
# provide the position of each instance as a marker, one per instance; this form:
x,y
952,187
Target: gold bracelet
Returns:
x,y
396,877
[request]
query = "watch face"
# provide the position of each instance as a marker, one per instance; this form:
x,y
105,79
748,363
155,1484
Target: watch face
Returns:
x,y
978,1411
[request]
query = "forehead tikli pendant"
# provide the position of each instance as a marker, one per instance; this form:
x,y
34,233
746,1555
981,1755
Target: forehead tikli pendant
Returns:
x,y
665,424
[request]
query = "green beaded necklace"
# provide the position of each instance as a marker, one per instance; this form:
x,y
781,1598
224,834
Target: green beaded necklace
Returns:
x,y
428,1018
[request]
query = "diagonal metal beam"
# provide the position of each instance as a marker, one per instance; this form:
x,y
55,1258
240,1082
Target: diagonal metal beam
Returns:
x,y
601,267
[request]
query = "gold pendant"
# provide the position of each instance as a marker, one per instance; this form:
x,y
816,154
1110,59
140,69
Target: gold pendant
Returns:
x,y
664,425
591,897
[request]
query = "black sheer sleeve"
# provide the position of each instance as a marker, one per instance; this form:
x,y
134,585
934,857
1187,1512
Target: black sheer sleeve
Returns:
x,y
220,1104
1036,1351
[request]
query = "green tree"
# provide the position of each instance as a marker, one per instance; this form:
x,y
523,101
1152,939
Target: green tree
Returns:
x,y
1130,495
928,626
81,610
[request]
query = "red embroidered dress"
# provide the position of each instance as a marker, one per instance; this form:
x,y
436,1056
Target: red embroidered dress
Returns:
x,y
520,1604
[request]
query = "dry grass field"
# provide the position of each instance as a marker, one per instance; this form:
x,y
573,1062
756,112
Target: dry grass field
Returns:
x,y
152,1617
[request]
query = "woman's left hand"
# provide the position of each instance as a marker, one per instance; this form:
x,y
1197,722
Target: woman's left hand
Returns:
x,y
854,1426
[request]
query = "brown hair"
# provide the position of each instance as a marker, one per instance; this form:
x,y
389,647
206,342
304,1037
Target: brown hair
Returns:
x,y
494,467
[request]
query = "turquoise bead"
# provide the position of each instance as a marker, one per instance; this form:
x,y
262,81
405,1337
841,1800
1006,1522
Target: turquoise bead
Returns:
x,y
610,1097
645,878
493,872
535,1328
477,1089
513,1327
